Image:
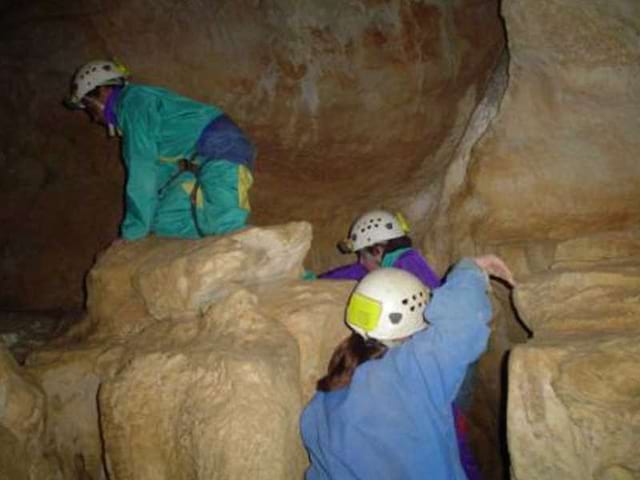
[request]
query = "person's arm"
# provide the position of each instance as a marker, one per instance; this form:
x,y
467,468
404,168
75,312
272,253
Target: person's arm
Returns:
x,y
415,263
353,271
459,313
140,125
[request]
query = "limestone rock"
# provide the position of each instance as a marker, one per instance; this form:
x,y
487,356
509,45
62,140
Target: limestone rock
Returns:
x,y
597,297
70,375
22,424
184,280
313,312
195,392
216,396
560,158
600,247
574,408
177,278
220,396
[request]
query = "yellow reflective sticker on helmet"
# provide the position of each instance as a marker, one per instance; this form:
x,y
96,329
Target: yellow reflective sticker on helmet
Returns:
x,y
121,67
404,225
363,312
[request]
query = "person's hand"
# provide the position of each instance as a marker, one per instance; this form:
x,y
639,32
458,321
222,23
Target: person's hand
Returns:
x,y
494,266
371,261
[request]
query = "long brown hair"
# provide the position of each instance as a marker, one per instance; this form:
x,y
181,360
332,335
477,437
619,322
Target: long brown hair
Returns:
x,y
350,353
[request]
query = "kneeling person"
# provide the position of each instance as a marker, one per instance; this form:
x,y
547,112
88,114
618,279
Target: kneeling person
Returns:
x,y
189,166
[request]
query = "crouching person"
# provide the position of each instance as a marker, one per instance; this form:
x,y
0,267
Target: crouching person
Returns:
x,y
189,166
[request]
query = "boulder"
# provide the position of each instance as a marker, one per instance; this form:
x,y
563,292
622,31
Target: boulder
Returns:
x,y
574,408
216,390
22,425
217,397
167,278
598,297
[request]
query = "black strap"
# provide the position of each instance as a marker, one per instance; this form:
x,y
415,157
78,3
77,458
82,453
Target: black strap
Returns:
x,y
188,165
184,165
194,205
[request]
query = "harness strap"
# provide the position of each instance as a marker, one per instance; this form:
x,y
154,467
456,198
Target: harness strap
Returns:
x,y
188,165
194,205
184,165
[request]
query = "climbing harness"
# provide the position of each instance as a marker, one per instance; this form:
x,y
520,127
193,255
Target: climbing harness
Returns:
x,y
189,165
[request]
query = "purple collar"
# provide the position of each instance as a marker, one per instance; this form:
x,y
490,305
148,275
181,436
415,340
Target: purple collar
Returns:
x,y
109,107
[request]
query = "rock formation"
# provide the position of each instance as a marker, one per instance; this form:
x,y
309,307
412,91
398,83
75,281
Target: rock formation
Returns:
x,y
207,382
194,353
574,408
553,186
22,423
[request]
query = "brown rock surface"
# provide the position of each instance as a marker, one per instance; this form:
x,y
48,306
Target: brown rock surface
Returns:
x,y
193,394
560,158
214,397
175,277
598,297
574,408
350,104
22,424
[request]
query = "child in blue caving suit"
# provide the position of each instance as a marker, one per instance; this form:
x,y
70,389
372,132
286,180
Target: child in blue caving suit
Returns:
x,y
189,167
380,240
383,411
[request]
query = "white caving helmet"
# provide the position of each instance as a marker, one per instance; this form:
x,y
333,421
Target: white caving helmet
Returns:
x,y
374,227
388,305
95,74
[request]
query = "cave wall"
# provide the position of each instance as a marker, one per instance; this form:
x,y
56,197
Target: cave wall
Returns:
x,y
559,159
352,105
547,176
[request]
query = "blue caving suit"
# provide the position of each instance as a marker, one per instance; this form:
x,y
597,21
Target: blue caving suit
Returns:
x,y
394,420
160,127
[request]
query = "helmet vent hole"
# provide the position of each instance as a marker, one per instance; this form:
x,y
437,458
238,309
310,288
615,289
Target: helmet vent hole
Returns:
x,y
414,297
405,301
389,226
413,308
395,317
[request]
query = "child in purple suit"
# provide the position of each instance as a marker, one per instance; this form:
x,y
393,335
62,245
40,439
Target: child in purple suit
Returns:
x,y
379,239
